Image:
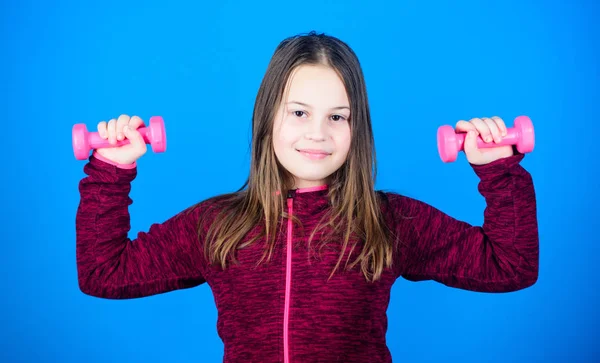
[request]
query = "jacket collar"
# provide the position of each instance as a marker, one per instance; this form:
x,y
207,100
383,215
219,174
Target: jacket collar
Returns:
x,y
308,201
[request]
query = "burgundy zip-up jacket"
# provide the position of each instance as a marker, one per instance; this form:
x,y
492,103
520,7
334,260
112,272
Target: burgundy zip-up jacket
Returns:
x,y
285,310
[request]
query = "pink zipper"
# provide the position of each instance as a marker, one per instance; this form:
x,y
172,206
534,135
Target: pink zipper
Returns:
x,y
288,281
288,268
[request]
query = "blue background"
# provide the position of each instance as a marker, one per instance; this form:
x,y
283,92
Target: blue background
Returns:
x,y
199,65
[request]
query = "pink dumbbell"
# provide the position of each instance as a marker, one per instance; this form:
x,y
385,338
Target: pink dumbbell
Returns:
x,y
450,142
84,141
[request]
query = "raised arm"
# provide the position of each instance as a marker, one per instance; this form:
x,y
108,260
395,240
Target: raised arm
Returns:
x,y
499,256
109,264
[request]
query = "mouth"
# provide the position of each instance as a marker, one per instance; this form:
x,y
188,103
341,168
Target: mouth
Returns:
x,y
314,154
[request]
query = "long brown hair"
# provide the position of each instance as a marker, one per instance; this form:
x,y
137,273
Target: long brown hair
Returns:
x,y
355,205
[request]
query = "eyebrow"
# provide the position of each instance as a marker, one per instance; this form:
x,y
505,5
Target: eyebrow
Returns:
x,y
333,108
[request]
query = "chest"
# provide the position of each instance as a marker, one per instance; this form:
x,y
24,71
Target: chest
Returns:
x,y
306,266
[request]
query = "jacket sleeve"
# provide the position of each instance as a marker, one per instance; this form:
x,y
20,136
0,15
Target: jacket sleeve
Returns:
x,y
499,256
109,264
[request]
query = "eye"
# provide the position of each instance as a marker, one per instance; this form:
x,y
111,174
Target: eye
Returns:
x,y
298,113
338,118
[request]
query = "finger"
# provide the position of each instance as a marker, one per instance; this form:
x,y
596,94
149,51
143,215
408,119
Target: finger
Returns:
x,y
482,129
112,131
121,122
135,122
464,126
102,129
494,130
501,125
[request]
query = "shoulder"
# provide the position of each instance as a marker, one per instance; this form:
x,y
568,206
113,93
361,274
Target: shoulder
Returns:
x,y
402,213
400,205
218,201
208,209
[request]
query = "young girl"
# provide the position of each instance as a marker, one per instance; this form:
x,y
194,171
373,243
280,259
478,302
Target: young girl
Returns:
x,y
302,259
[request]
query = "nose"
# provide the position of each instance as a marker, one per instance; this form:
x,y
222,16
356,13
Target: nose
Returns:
x,y
317,129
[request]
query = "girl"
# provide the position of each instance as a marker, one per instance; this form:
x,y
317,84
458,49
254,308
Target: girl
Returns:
x,y
301,260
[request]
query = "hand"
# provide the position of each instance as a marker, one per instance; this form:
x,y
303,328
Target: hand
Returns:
x,y
491,130
120,129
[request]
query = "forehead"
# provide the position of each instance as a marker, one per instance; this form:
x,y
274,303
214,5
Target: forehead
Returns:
x,y
318,86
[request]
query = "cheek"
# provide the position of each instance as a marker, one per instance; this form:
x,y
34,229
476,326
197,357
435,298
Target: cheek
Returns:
x,y
286,135
344,139
281,139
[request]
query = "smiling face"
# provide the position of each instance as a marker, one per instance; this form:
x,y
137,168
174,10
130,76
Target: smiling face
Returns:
x,y
311,134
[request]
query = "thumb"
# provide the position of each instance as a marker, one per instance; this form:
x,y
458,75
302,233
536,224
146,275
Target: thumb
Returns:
x,y
471,143
135,138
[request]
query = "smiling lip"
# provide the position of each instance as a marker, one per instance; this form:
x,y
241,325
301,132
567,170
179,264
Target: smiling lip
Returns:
x,y
314,154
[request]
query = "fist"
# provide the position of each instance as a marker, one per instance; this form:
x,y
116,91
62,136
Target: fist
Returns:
x,y
491,130
124,127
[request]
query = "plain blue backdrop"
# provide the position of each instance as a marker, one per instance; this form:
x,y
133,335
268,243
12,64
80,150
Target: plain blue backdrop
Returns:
x,y
199,65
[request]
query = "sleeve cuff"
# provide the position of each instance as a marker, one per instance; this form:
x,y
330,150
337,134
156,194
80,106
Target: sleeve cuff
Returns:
x,y
497,167
120,166
108,172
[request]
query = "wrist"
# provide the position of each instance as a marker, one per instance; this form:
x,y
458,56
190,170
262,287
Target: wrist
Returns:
x,y
98,156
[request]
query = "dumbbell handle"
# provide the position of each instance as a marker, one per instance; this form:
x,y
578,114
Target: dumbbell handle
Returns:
x,y
96,141
511,138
